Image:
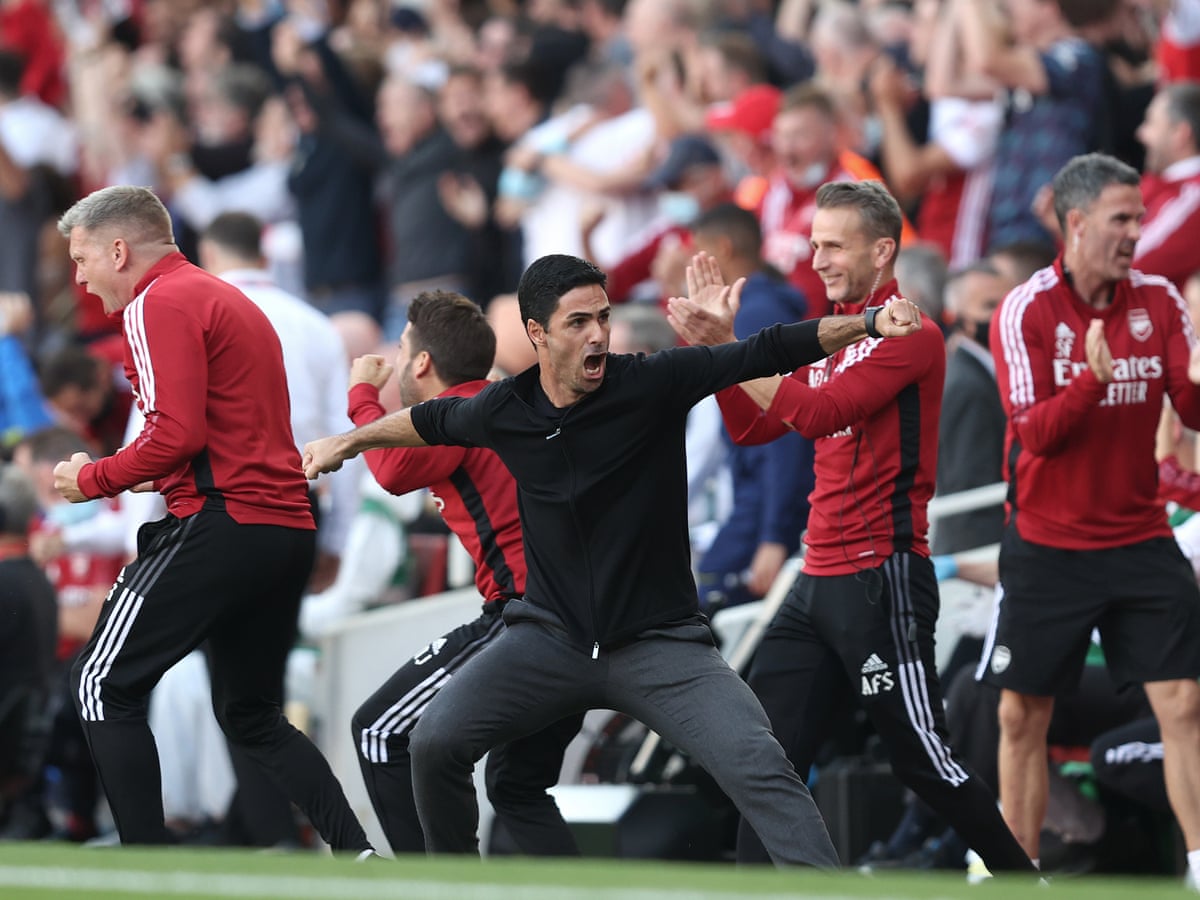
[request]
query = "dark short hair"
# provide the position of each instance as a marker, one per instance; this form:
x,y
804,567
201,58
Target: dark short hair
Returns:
x,y
238,233
454,332
1083,179
54,443
12,70
69,367
1028,256
1183,105
548,278
1081,13
534,77
613,8
739,51
732,221
878,209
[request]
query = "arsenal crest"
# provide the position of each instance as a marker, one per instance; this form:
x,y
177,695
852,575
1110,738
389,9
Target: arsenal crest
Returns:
x,y
1139,324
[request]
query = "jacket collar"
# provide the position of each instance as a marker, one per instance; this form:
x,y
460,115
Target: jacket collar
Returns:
x,y
168,263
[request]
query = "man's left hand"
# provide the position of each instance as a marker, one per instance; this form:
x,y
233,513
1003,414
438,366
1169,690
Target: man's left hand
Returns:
x,y
898,319
66,477
1099,356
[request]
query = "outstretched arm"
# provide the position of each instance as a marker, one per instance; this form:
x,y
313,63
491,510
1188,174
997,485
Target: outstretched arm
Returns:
x,y
327,454
899,318
705,317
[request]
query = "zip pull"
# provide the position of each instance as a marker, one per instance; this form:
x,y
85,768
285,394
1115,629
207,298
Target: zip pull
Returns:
x,y
596,650
557,432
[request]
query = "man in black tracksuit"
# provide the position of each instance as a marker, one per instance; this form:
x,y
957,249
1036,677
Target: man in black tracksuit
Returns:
x,y
610,616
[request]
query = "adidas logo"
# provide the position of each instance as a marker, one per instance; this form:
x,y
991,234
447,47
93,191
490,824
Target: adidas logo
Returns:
x,y
874,664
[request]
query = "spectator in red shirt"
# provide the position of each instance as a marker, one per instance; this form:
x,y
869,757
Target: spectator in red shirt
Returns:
x,y
743,125
806,140
691,181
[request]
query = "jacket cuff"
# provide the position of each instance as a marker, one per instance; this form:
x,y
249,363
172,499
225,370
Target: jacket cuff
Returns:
x,y
359,394
89,482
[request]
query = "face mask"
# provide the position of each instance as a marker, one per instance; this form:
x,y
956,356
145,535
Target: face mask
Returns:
x,y
872,135
678,207
63,515
981,334
519,184
812,176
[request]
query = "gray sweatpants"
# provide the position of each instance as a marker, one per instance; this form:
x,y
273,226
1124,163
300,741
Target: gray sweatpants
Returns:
x,y
681,688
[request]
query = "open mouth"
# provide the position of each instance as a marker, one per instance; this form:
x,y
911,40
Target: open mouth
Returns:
x,y
593,365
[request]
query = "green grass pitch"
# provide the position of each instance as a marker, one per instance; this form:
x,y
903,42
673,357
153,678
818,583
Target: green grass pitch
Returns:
x,y
45,871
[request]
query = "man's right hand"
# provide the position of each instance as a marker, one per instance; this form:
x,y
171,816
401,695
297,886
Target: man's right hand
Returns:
x,y
324,455
370,369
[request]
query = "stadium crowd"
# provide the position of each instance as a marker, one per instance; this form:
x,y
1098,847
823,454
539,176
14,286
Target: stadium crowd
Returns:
x,y
336,160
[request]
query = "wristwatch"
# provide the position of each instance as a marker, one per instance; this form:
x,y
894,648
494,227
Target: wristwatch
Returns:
x,y
869,320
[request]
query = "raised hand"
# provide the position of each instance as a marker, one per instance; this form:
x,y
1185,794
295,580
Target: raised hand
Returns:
x,y
1099,357
463,199
370,369
706,315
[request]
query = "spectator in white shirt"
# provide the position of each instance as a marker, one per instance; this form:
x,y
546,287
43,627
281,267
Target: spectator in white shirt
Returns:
x,y
315,360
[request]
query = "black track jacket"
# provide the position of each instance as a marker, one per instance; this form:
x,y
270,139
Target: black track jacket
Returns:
x,y
602,484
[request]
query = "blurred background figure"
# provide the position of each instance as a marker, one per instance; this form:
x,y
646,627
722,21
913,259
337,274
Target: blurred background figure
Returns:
x,y
28,631
771,482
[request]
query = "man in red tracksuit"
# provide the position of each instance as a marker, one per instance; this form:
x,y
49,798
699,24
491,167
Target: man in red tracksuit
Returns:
x,y
446,350
1087,350
229,562
1171,184
860,618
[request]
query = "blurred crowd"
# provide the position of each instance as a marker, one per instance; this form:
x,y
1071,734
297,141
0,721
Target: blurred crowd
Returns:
x,y
389,148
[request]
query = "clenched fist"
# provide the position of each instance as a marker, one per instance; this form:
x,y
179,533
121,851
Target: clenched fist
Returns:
x,y
899,318
66,477
370,369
